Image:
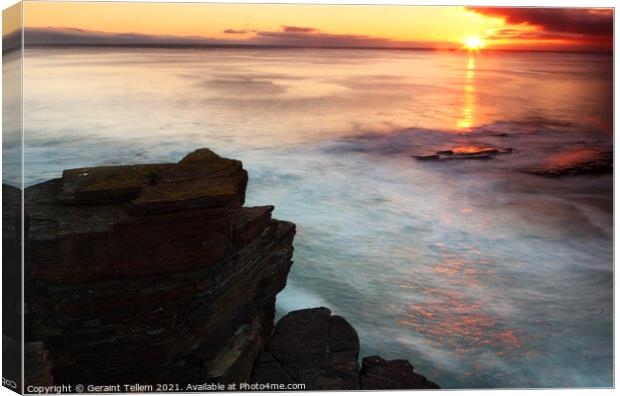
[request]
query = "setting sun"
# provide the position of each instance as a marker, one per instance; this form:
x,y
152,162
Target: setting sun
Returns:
x,y
474,43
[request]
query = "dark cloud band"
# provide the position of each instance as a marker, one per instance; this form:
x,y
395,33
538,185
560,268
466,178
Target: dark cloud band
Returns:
x,y
561,21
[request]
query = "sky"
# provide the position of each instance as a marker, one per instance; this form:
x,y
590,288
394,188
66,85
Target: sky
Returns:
x,y
319,25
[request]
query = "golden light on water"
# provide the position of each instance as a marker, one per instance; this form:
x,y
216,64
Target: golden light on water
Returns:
x,y
467,116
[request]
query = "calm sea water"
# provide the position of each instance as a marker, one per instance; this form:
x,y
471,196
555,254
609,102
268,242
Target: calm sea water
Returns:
x,y
479,274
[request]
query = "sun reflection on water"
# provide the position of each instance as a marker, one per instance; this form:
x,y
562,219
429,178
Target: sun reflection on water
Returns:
x,y
467,117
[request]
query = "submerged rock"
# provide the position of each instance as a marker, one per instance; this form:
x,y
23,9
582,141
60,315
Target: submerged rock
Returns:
x,y
427,157
471,156
312,347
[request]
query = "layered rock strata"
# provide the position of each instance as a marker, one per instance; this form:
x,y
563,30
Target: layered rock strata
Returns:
x,y
151,273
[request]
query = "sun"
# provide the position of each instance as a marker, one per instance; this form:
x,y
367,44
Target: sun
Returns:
x,y
474,43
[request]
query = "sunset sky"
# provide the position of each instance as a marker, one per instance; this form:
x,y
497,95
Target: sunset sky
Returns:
x,y
326,25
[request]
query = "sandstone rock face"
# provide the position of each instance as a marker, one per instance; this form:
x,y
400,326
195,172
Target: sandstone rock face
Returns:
x,y
314,348
151,273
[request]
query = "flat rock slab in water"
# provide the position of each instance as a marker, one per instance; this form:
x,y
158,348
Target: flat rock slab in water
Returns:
x,y
574,163
463,153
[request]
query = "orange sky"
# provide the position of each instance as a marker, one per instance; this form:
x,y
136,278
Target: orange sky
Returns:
x,y
426,26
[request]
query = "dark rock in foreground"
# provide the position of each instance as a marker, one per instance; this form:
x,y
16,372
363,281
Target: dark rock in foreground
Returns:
x,y
378,373
157,274
311,347
11,286
136,278
317,349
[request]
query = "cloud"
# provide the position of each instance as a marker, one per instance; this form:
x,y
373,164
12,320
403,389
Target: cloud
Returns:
x,y
557,22
239,31
289,36
520,34
319,39
58,36
312,37
298,29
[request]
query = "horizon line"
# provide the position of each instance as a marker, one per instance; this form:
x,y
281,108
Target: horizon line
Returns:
x,y
275,46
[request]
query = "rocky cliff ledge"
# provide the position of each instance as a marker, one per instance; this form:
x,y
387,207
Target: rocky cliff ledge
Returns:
x,y
152,273
157,274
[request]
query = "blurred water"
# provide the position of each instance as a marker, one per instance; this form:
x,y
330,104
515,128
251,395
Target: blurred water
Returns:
x,y
480,275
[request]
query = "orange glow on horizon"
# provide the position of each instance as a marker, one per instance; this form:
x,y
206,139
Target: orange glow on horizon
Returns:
x,y
409,26
402,23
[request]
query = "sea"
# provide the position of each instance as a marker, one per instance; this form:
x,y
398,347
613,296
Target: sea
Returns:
x,y
479,273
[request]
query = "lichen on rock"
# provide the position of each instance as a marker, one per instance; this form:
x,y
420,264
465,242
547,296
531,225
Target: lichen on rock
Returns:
x,y
132,282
